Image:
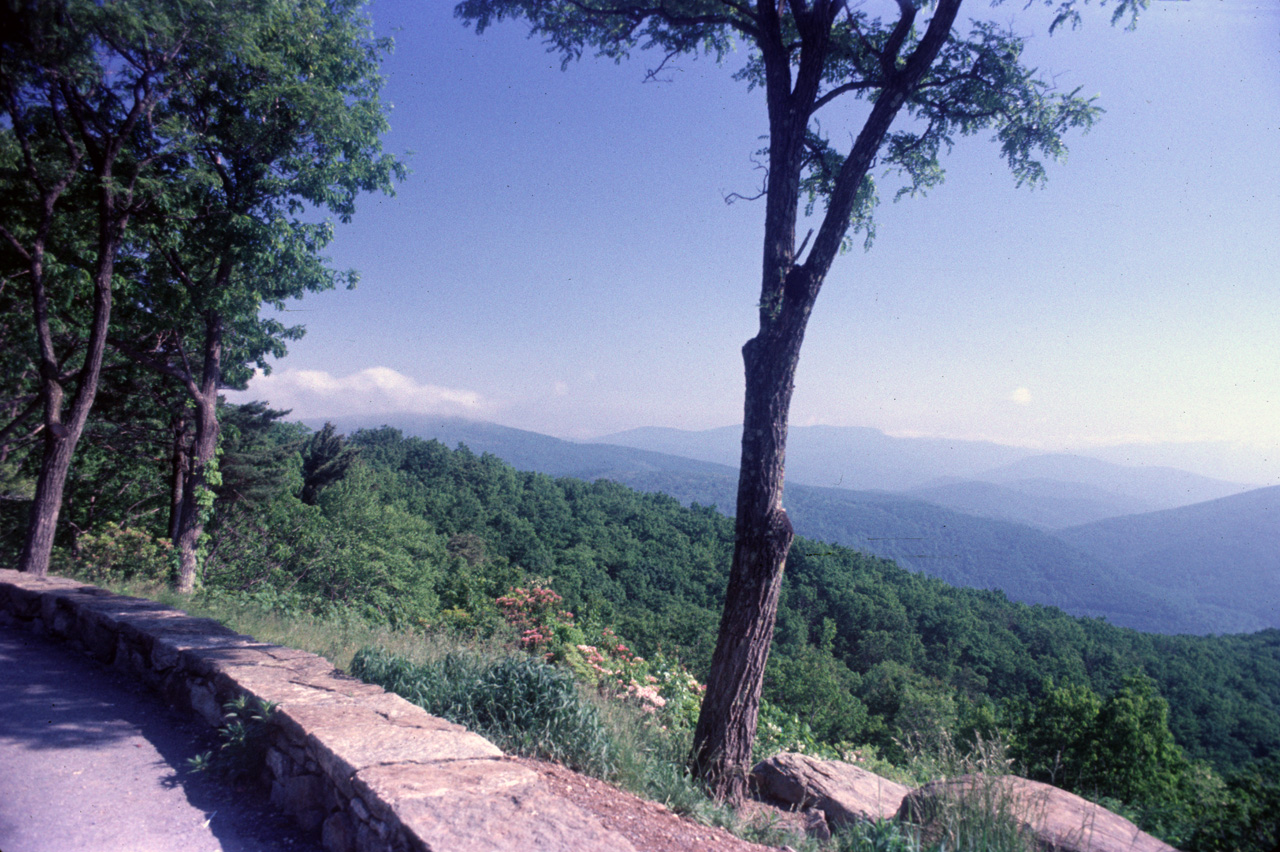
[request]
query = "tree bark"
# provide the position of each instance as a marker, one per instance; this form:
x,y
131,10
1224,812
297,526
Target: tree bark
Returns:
x,y
179,464
61,437
204,448
727,725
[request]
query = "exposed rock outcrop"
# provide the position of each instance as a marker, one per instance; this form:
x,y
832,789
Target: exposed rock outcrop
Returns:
x,y
1058,821
842,792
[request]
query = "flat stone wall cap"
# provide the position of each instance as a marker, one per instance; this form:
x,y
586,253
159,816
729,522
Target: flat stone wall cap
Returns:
x,y
486,806
845,793
169,648
399,711
303,719
221,659
344,752
1057,820
278,684
48,583
396,783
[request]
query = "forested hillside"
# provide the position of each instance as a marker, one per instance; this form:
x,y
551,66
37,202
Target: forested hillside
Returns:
x,y
656,570
1239,535
1028,564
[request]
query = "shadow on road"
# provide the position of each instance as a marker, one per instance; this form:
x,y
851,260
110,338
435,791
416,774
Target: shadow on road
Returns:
x,y
90,759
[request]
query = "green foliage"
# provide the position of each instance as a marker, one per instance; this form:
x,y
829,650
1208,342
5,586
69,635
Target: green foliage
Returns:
x,y
1054,738
522,704
245,735
779,731
1137,760
325,460
1119,748
113,553
259,452
881,835
1246,815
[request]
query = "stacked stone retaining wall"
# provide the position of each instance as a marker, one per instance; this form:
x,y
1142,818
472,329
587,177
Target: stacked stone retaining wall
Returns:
x,y
367,769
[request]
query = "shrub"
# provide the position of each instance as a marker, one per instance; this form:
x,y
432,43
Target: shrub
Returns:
x,y
525,706
245,736
114,553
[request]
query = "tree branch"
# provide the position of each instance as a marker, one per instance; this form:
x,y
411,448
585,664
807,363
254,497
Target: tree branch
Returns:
x,y
857,85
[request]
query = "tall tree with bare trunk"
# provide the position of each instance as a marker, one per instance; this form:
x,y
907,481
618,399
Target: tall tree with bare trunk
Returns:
x,y
80,92
274,135
925,82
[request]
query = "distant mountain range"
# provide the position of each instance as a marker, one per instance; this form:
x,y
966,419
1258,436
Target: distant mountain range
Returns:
x,y
1064,531
976,477
1223,555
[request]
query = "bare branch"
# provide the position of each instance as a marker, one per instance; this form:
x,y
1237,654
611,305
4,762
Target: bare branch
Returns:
x,y
651,76
857,85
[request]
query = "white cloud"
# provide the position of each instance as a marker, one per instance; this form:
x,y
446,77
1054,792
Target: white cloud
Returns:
x,y
1022,396
376,390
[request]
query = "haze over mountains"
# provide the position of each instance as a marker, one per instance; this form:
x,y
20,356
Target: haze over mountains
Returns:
x,y
976,477
1156,549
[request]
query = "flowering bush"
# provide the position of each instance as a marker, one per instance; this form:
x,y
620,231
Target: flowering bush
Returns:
x,y
680,690
534,611
617,671
662,688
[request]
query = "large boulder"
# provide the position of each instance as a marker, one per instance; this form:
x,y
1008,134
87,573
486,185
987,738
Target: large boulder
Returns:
x,y
1056,820
844,793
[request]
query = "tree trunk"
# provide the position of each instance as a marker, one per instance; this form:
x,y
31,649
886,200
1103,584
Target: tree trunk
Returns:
x,y
43,519
179,464
204,448
62,436
727,724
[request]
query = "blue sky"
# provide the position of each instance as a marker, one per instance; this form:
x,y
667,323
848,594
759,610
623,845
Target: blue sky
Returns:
x,y
562,258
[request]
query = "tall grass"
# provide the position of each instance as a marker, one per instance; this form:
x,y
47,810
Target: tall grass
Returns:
x,y
521,704
974,809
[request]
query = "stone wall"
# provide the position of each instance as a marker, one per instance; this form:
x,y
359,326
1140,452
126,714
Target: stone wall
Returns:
x,y
366,768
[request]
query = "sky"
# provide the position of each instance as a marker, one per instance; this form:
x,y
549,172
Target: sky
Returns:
x,y
562,257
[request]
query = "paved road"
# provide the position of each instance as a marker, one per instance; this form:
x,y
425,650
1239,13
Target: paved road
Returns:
x,y
91,762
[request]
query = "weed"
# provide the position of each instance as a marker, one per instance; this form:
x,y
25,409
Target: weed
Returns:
x,y
245,735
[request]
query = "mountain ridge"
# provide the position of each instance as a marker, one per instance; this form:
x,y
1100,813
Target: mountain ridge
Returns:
x,y
1029,563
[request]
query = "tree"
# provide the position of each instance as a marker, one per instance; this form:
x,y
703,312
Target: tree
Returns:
x,y
286,123
80,91
201,133
806,54
325,460
1121,747
1054,738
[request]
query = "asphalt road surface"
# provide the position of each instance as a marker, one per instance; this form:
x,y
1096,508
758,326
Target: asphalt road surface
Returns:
x,y
92,762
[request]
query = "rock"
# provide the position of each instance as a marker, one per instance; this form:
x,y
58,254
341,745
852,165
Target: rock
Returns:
x,y
1057,820
843,792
